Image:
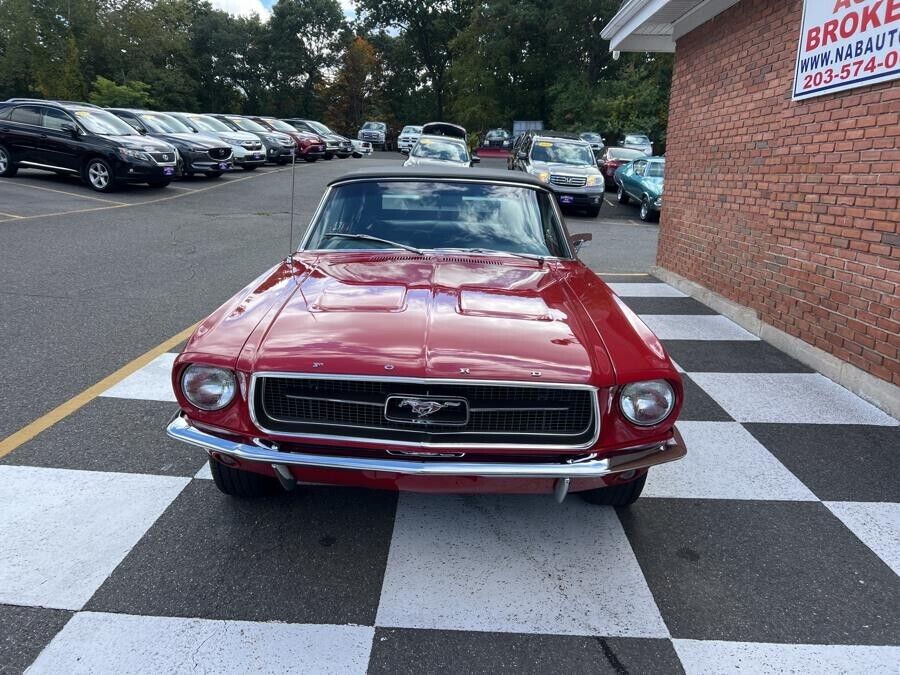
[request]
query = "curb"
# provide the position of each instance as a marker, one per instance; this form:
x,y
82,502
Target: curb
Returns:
x,y
878,392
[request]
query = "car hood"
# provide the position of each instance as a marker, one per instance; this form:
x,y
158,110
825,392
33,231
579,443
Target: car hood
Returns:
x,y
396,314
192,139
430,161
145,143
568,169
237,136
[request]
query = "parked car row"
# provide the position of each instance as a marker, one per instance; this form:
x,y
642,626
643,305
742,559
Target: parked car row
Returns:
x,y
111,146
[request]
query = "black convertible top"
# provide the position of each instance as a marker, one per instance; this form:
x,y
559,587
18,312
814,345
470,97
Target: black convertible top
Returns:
x,y
427,173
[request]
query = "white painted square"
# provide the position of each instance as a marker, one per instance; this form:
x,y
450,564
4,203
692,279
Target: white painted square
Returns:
x,y
724,461
153,382
62,532
122,643
877,525
702,657
802,398
695,327
639,290
519,564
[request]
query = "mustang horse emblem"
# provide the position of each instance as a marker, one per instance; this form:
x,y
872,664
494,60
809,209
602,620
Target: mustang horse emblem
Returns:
x,y
425,408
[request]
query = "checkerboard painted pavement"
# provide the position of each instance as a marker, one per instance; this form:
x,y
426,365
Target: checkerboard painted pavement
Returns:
x,y
773,547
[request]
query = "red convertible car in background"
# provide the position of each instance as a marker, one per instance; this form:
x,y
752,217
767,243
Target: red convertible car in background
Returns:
x,y
435,331
612,158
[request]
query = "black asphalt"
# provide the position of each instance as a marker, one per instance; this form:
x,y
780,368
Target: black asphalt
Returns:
x,y
90,281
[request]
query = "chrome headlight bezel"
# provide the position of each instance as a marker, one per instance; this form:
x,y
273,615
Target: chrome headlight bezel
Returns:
x,y
132,153
209,376
659,390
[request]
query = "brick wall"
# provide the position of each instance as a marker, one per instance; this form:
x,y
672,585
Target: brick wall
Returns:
x,y
788,208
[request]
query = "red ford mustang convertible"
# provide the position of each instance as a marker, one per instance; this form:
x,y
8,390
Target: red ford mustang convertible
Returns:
x,y
436,332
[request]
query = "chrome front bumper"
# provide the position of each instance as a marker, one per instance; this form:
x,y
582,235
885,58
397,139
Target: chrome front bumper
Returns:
x,y
587,467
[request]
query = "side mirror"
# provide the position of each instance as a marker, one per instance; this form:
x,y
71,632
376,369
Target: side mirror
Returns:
x,y
69,128
579,241
404,151
521,155
476,159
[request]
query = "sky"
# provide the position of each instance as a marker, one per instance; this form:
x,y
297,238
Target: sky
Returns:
x,y
261,7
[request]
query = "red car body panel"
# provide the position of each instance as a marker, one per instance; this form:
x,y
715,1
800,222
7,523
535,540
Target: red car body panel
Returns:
x,y
307,143
493,318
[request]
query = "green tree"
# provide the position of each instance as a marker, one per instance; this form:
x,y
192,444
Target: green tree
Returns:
x,y
129,95
305,38
352,95
430,27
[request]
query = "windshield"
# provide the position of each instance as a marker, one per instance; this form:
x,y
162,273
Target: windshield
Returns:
x,y
440,215
204,123
497,133
625,153
319,127
411,130
246,125
281,126
374,126
103,123
655,170
592,138
435,148
577,154
637,140
164,124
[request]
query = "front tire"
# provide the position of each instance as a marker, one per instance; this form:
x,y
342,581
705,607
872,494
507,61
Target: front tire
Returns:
x,y
213,174
593,211
646,213
242,484
98,174
310,160
158,183
622,196
7,168
249,167
625,494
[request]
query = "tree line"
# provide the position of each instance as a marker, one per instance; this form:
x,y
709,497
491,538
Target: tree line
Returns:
x,y
480,64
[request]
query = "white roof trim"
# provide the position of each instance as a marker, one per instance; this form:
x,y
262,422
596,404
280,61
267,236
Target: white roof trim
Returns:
x,y
647,25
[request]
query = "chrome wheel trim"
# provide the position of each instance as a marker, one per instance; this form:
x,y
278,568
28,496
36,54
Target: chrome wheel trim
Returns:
x,y
98,175
621,193
4,160
645,210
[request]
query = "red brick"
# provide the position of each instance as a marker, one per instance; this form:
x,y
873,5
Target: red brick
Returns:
x,y
805,227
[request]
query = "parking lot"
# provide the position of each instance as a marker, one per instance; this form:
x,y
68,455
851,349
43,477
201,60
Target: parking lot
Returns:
x,y
773,542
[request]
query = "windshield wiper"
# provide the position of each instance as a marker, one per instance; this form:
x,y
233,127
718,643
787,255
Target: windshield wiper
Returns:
x,y
527,256
369,237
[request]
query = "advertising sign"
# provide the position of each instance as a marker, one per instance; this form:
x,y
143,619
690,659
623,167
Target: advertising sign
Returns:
x,y
846,44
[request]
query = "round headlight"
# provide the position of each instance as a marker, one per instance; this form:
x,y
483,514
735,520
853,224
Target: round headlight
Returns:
x,y
647,403
208,387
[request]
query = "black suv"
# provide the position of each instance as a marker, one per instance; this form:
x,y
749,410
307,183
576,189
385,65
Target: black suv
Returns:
x,y
198,153
81,140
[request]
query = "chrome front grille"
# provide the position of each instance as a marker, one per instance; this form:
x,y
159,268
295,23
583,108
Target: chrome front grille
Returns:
x,y
506,414
568,181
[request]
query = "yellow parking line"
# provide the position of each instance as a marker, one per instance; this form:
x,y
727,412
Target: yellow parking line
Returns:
x,y
61,192
44,422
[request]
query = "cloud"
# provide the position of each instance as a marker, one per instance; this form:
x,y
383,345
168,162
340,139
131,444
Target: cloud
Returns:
x,y
243,7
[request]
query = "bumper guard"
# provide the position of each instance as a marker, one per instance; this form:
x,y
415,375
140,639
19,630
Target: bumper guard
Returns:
x,y
587,467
